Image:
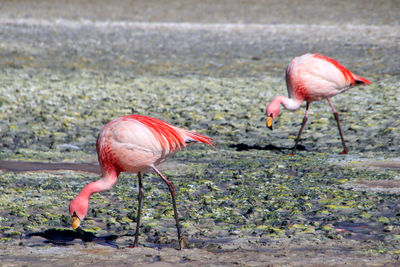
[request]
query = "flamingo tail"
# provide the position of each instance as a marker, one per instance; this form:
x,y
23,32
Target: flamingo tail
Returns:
x,y
196,137
361,80
349,76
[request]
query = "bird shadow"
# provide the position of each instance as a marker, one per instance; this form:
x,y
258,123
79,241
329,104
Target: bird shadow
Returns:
x,y
65,237
269,147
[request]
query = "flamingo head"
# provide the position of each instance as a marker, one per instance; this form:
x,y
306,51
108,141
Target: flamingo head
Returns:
x,y
78,209
272,112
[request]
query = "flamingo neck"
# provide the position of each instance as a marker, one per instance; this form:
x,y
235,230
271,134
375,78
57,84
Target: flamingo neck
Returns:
x,y
103,184
288,103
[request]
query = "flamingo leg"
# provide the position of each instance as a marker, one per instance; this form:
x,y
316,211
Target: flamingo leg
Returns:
x,y
182,241
301,129
140,205
338,124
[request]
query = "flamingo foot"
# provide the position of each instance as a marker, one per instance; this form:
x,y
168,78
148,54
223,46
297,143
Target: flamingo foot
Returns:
x,y
183,243
135,245
343,152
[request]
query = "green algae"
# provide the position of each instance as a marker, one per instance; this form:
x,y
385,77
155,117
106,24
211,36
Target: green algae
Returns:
x,y
231,193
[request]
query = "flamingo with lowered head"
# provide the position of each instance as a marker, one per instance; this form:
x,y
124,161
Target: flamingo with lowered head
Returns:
x,y
313,77
134,144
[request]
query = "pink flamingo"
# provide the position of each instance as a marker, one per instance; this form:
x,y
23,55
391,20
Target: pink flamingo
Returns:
x,y
134,144
313,77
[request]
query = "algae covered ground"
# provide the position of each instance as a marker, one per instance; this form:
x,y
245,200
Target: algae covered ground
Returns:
x,y
244,202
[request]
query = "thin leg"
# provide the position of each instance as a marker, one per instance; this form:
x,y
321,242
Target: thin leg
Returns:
x,y
338,124
182,241
301,129
139,213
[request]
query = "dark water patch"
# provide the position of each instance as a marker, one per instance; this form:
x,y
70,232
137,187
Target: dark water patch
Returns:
x,y
156,245
215,245
391,165
246,147
226,244
382,186
65,237
359,231
341,250
24,166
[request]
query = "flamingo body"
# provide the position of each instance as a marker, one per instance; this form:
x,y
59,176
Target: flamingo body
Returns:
x,y
313,77
133,144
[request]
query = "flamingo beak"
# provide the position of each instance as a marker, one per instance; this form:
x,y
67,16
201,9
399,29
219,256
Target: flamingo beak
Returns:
x,y
269,122
75,221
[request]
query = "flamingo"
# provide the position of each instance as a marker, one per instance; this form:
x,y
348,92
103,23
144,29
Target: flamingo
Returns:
x,y
313,77
134,144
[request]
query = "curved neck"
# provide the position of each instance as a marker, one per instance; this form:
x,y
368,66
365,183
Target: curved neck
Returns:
x,y
289,103
104,183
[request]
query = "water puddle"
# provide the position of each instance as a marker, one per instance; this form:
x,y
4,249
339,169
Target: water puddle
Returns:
x,y
23,166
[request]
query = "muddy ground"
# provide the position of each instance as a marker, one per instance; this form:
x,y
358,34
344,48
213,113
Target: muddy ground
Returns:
x,y
67,68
